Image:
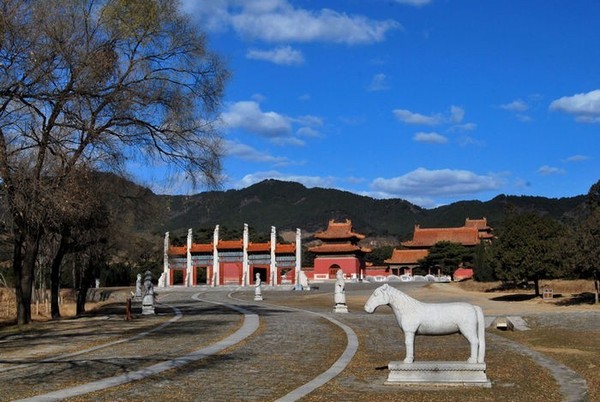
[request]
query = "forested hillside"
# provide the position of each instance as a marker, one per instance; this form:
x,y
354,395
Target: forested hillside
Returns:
x,y
288,205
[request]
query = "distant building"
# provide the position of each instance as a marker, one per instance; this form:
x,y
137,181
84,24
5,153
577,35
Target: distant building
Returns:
x,y
473,233
339,250
231,262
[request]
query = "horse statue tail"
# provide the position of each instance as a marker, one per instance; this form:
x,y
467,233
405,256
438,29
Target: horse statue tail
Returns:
x,y
480,334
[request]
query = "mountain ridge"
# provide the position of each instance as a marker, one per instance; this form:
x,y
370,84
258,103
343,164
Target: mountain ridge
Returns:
x,y
288,205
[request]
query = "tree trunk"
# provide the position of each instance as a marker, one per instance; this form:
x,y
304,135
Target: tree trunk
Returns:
x,y
596,286
55,277
536,283
24,268
81,298
84,285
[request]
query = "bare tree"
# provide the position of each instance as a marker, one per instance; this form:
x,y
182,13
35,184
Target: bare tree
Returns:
x,y
95,82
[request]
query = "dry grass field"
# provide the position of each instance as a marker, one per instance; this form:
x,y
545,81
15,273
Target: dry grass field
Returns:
x,y
41,311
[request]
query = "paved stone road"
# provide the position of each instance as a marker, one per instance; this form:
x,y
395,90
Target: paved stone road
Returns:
x,y
289,349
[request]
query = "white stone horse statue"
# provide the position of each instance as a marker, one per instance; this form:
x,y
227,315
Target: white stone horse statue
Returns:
x,y
415,317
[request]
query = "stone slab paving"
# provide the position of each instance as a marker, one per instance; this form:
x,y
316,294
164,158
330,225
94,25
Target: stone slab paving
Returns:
x,y
290,349
201,325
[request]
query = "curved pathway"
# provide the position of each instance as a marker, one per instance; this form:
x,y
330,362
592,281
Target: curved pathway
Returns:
x,y
337,367
63,356
289,357
249,326
572,386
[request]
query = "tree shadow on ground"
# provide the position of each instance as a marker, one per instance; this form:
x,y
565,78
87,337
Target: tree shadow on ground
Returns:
x,y
577,299
517,297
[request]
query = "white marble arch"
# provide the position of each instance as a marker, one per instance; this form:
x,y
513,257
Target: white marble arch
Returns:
x,y
415,317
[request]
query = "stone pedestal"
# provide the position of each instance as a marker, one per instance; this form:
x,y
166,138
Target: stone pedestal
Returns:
x,y
148,305
258,297
438,373
340,308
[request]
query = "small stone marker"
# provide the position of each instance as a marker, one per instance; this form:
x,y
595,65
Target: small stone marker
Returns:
x,y
547,294
504,324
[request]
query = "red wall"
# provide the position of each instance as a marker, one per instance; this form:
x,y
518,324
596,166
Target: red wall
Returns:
x,y
231,273
350,265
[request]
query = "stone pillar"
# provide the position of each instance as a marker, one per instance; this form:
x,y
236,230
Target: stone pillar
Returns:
x,y
245,262
298,265
273,263
166,261
188,271
216,273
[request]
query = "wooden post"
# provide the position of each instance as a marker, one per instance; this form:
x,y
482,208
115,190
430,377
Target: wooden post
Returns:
x,y
128,309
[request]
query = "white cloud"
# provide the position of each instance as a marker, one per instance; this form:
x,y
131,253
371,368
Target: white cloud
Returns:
x,y
456,114
379,83
515,106
248,153
416,3
284,55
550,170
409,117
309,120
278,128
585,106
466,140
308,181
279,21
431,138
248,116
428,183
577,158
463,127
308,132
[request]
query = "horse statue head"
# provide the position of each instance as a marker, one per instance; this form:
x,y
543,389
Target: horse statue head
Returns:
x,y
379,297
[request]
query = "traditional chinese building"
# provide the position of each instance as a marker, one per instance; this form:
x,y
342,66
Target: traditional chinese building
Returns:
x,y
339,249
231,262
403,261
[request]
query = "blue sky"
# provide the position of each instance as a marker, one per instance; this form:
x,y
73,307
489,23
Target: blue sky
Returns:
x,y
432,101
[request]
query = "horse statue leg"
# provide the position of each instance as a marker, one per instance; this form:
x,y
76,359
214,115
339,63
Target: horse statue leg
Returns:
x,y
409,343
474,331
480,334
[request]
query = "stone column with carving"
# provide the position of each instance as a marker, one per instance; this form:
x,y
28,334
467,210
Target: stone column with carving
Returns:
x,y
166,260
273,266
188,270
245,263
298,262
216,273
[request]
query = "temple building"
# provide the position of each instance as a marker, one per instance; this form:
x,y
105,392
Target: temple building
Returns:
x,y
339,249
231,262
473,233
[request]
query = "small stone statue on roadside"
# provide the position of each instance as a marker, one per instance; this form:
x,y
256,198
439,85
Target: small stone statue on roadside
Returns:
x,y
138,287
339,295
257,289
148,296
161,281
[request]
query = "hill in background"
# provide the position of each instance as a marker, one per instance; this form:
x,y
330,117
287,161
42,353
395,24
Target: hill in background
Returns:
x,y
290,205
